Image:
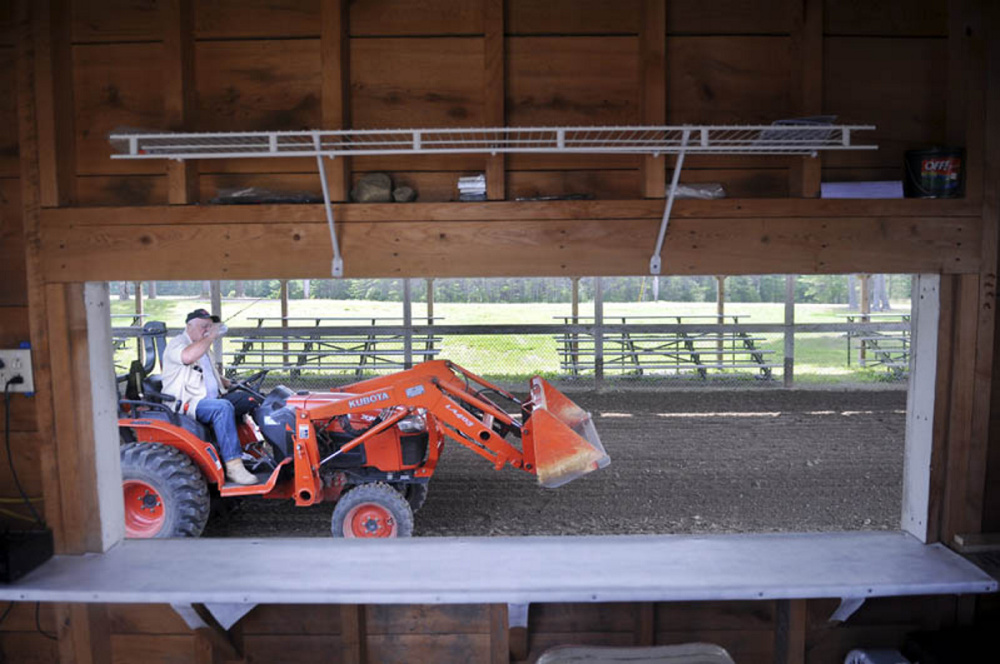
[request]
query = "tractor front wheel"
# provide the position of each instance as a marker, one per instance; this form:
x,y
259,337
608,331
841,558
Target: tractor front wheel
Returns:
x,y
165,493
372,510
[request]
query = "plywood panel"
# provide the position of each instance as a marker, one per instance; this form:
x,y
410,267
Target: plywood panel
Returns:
x,y
137,190
538,642
395,18
562,617
595,184
401,82
292,619
148,619
7,24
117,21
572,17
747,183
132,648
22,618
24,446
728,17
304,184
13,277
9,163
683,616
14,326
728,80
891,18
258,85
22,411
406,648
29,648
291,650
751,646
428,619
231,19
115,86
896,84
572,81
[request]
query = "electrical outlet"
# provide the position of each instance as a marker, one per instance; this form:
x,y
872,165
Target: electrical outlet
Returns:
x,y
17,363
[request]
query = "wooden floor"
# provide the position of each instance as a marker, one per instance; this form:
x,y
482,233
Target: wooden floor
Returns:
x,y
511,570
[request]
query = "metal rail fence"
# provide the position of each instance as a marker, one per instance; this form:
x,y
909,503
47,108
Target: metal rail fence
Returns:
x,y
587,350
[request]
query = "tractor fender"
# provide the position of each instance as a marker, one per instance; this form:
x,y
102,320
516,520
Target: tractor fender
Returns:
x,y
158,431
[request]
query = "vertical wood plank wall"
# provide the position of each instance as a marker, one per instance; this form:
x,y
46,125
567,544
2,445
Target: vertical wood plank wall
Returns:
x,y
88,67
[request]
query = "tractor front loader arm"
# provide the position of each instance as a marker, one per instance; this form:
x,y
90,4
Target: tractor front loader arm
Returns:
x,y
558,440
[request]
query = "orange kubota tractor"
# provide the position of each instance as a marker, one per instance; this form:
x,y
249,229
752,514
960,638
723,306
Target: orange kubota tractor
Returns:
x,y
370,447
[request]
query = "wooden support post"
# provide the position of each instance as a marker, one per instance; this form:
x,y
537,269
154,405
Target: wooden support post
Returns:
x,y
335,52
407,324
575,310
216,290
807,58
864,280
789,362
598,333
494,93
353,634
179,94
284,319
645,624
55,109
720,312
499,635
138,318
653,88
790,632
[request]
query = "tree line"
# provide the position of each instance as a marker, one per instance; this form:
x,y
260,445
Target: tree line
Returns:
x,y
825,289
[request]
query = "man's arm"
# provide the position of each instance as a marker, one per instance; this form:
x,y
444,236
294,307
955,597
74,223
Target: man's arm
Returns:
x,y
193,352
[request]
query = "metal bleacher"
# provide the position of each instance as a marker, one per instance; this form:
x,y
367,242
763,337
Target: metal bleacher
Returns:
x,y
681,348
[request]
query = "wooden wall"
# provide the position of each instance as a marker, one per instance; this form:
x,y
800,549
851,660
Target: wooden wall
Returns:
x,y
916,68
417,63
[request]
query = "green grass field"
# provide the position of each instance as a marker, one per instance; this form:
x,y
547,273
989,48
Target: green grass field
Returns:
x,y
819,358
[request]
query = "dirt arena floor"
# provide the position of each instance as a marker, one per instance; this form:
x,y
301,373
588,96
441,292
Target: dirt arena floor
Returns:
x,y
693,461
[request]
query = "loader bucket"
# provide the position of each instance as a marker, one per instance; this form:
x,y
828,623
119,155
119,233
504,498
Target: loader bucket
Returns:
x,y
565,443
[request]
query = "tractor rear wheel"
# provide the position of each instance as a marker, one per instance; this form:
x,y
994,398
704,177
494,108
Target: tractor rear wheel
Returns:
x,y
372,510
165,493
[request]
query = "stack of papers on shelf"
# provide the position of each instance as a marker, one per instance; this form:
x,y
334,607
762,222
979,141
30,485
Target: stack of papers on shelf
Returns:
x,y
472,188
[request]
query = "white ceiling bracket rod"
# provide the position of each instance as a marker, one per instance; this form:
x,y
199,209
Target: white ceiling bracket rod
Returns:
x,y
337,268
654,261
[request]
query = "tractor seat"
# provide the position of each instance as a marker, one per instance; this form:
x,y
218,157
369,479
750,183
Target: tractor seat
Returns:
x,y
153,383
189,424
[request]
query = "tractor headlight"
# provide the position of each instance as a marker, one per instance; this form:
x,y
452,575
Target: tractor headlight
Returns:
x,y
413,424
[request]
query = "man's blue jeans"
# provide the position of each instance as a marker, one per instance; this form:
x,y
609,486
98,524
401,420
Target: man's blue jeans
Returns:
x,y
220,414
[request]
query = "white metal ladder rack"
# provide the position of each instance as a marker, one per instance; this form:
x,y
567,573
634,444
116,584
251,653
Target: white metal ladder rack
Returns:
x,y
782,138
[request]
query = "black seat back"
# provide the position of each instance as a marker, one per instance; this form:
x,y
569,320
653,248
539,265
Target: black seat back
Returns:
x,y
154,340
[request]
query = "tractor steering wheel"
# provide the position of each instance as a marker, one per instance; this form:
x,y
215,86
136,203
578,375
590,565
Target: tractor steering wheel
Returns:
x,y
251,384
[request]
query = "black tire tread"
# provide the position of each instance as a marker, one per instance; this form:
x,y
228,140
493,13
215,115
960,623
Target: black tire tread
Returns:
x,y
184,485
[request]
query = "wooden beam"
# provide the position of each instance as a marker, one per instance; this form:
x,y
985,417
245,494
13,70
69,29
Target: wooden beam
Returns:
x,y
967,74
957,514
336,88
986,314
645,623
807,66
790,632
494,93
54,102
818,209
653,88
499,635
179,93
942,407
31,208
530,248
353,634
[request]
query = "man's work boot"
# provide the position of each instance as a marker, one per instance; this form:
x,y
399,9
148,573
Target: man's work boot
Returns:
x,y
238,474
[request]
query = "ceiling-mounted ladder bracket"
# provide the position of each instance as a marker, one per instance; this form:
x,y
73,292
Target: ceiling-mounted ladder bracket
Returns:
x,y
654,260
337,266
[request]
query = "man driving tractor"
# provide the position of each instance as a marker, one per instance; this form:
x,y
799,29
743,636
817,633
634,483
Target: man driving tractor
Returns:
x,y
192,379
